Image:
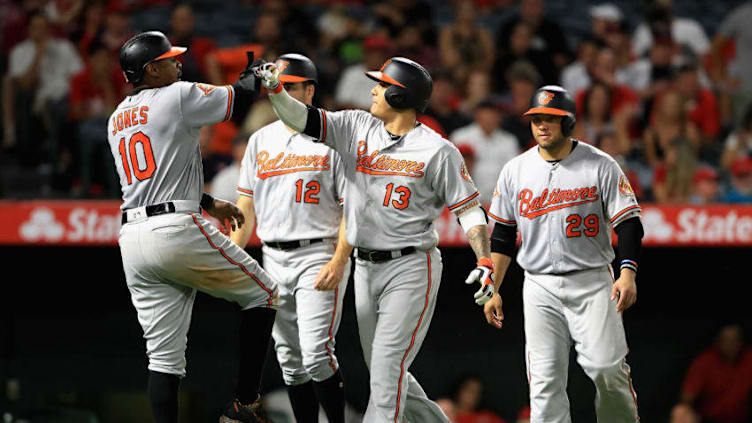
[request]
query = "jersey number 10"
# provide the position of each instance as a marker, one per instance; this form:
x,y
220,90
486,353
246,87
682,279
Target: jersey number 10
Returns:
x,y
129,151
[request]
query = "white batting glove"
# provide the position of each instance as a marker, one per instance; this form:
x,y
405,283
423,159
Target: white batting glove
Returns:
x,y
483,274
269,74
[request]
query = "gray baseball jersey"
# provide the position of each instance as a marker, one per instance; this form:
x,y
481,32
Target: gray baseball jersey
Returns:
x,y
396,188
297,185
565,210
153,136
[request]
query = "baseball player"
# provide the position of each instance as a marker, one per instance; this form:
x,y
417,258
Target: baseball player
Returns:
x,y
293,188
169,250
564,196
400,175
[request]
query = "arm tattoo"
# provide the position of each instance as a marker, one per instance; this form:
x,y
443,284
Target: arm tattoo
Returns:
x,y
478,237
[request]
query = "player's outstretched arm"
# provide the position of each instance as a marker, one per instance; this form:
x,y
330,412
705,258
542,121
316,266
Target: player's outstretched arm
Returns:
x,y
229,215
292,112
331,274
242,234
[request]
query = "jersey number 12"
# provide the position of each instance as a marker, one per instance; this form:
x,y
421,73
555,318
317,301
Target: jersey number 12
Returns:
x,y
129,151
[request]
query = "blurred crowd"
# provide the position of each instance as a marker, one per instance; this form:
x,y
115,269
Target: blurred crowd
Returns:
x,y
670,99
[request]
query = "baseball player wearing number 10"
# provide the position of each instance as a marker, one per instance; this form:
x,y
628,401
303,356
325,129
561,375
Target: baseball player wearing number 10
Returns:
x,y
294,188
399,176
169,250
564,196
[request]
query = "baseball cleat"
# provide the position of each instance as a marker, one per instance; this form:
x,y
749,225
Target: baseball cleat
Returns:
x,y
235,412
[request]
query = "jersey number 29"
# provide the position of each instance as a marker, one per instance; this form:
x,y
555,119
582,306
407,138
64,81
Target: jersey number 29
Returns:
x,y
575,220
129,151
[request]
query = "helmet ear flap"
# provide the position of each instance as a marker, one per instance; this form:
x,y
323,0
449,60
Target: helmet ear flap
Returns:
x,y
567,125
395,97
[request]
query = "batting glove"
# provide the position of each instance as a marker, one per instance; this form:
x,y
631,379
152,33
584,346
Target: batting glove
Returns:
x,y
269,74
483,274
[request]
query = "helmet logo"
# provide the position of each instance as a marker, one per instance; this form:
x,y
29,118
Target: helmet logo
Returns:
x,y
384,65
282,65
545,97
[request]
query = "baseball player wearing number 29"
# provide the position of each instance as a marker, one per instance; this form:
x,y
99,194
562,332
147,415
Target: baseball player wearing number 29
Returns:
x,y
293,188
399,176
564,196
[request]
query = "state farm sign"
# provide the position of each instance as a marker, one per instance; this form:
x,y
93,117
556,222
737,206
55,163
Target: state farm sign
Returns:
x,y
98,223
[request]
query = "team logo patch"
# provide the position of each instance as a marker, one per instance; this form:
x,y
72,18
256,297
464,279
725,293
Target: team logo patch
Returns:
x,y
464,173
282,65
496,192
624,188
206,88
545,97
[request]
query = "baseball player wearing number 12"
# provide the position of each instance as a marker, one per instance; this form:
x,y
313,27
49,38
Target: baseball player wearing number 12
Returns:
x,y
564,196
400,175
293,188
169,250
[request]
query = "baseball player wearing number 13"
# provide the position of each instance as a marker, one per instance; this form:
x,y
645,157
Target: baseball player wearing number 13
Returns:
x,y
564,196
399,176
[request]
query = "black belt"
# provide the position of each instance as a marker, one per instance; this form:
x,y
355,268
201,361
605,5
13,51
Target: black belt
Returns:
x,y
153,210
291,245
378,256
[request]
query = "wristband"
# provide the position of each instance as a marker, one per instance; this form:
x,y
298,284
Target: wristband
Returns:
x,y
629,264
207,201
486,262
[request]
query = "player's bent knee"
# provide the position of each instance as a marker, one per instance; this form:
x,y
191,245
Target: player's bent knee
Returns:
x,y
607,377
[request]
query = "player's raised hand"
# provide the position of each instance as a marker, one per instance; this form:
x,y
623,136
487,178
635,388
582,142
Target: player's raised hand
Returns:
x,y
492,310
482,274
229,215
625,289
248,78
269,74
330,275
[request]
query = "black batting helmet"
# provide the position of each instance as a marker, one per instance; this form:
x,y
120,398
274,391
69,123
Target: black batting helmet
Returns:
x,y
143,49
410,85
554,100
295,67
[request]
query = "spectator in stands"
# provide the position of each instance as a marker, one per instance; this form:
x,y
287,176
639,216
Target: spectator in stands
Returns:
x,y
524,415
91,27
741,182
467,398
739,143
116,28
649,76
612,144
95,93
705,188
182,25
444,102
604,71
576,75
669,123
354,87
39,75
211,161
547,34
224,184
596,118
468,154
464,45
672,182
521,48
685,31
495,145
523,80
409,42
447,406
603,18
682,413
700,102
478,85
719,380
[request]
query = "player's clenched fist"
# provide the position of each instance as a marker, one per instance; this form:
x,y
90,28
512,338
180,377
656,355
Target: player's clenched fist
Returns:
x,y
269,74
483,274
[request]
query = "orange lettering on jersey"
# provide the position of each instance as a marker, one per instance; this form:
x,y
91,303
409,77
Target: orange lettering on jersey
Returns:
x,y
134,115
120,121
126,119
533,206
382,164
143,114
283,164
114,125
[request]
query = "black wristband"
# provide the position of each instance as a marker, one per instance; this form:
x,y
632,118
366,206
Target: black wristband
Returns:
x,y
629,233
504,239
207,201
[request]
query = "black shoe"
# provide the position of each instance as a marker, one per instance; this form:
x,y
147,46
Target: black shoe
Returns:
x,y
235,412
